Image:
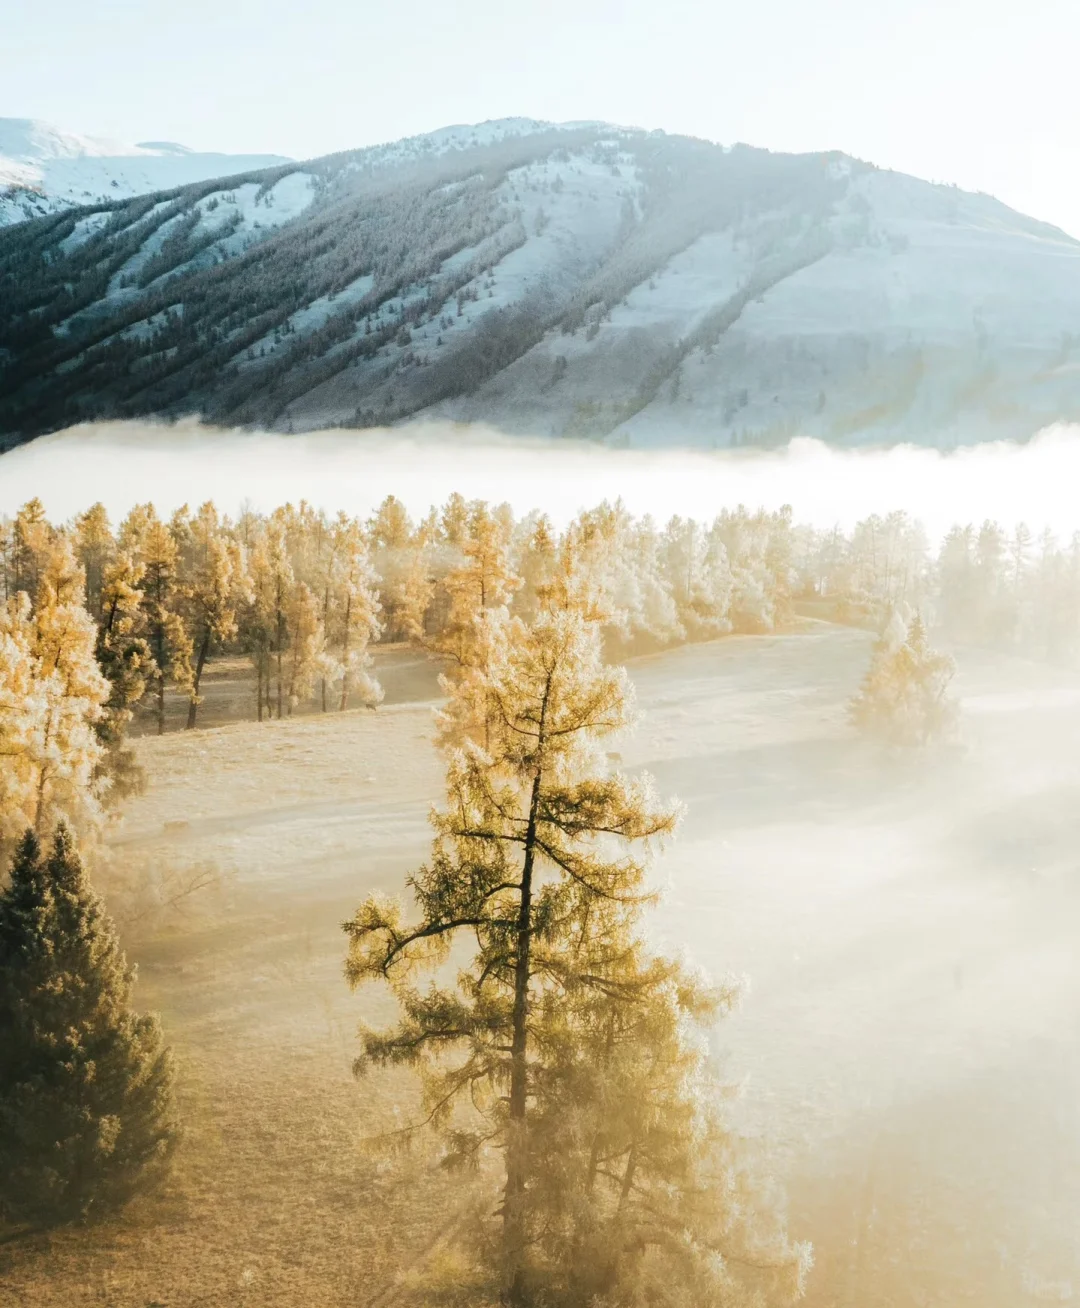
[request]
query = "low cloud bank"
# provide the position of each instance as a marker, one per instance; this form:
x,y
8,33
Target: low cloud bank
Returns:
x,y
124,463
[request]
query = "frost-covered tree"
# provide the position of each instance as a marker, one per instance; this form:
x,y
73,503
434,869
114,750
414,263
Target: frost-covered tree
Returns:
x,y
216,588
958,598
759,548
86,1087
400,557
52,695
698,576
123,654
307,644
266,629
641,1191
904,698
153,547
479,588
535,556
30,540
563,1046
352,614
95,548
514,863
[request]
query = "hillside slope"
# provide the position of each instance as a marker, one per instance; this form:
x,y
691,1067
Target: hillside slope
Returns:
x,y
44,170
580,280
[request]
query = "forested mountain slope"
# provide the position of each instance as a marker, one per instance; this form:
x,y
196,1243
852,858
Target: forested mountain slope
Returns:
x,y
581,280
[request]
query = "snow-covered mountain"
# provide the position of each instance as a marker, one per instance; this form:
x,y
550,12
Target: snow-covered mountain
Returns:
x,y
43,169
576,280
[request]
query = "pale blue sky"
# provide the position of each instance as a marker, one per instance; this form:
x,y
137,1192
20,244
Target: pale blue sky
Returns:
x,y
979,92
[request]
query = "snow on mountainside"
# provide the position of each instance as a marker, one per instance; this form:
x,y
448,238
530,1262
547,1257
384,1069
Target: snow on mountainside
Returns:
x,y
570,280
43,169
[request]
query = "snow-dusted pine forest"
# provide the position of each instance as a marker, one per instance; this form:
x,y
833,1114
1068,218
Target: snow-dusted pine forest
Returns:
x,y
580,280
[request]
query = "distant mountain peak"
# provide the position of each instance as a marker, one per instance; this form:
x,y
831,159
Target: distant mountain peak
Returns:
x,y
44,168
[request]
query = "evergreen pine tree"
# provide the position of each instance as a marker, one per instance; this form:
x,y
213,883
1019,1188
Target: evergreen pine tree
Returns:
x,y
86,1106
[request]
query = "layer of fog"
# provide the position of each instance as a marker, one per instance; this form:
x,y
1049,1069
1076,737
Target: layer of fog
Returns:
x,y
125,463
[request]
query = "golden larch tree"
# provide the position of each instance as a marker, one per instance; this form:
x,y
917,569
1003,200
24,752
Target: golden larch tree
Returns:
x,y
904,699
218,586
52,695
519,863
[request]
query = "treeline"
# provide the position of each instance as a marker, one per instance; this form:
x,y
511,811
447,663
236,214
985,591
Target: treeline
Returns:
x,y
305,595
990,585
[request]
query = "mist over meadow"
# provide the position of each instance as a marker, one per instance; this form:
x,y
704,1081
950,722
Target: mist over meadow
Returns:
x,y
124,463
853,1005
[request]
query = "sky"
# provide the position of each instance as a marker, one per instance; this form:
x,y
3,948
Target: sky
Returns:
x,y
976,92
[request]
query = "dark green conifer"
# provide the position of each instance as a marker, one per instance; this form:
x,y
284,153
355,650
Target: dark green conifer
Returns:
x,y
86,1086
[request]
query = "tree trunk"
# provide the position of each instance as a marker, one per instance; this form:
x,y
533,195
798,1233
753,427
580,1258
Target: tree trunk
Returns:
x,y
628,1177
259,686
517,1143
280,644
598,1136
326,623
345,658
200,663
159,651
279,678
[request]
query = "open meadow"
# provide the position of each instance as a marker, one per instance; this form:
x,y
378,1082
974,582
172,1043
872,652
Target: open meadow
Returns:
x,y
908,1047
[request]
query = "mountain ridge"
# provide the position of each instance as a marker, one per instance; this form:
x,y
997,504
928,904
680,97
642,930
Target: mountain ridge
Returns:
x,y
557,279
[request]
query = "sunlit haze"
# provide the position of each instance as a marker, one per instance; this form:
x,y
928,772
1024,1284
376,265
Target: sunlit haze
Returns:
x,y
539,654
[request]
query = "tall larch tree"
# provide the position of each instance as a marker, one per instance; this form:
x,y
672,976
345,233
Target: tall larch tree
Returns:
x,y
52,696
697,573
266,616
478,593
535,558
163,606
95,548
400,558
564,1046
31,538
123,654
520,863
306,644
353,614
218,586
